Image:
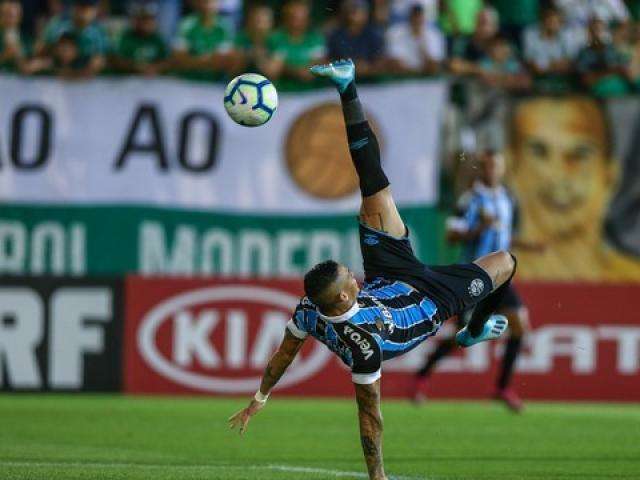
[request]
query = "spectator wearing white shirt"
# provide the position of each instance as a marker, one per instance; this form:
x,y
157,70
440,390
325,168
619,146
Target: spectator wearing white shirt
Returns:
x,y
415,47
580,12
550,47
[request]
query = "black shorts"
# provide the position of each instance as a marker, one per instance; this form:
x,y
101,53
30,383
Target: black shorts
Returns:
x,y
453,288
511,301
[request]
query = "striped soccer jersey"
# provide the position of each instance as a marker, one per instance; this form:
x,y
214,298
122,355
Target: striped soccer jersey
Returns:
x,y
481,201
388,319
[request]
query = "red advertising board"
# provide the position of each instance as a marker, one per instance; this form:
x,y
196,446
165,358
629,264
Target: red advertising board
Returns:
x,y
216,336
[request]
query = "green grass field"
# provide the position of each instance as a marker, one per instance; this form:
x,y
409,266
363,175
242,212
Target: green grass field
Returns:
x,y
108,437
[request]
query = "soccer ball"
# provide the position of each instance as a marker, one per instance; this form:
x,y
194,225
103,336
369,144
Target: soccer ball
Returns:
x,y
251,100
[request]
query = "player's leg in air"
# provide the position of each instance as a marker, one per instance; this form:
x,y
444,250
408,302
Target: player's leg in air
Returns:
x,y
378,209
380,212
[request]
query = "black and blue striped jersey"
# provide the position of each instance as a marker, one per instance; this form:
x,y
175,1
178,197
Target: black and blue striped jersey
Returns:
x,y
388,319
479,201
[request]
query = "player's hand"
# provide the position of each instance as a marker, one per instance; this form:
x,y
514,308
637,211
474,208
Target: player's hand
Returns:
x,y
241,419
487,221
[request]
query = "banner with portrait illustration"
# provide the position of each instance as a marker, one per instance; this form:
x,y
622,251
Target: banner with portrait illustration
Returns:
x,y
572,164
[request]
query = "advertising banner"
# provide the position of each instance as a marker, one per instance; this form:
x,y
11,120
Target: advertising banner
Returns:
x,y
77,241
60,334
216,337
167,142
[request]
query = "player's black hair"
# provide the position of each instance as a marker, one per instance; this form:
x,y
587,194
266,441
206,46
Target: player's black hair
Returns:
x,y
319,279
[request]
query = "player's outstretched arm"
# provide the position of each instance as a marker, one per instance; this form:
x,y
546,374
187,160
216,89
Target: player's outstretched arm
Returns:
x,y
370,416
276,367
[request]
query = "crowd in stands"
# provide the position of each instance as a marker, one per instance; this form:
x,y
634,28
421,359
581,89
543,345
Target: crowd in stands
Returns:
x,y
518,45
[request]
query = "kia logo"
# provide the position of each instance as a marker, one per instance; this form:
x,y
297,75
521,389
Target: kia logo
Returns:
x,y
192,338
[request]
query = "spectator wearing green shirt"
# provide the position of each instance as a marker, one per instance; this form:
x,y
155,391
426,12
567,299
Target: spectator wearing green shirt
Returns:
x,y
252,42
11,47
459,17
205,43
141,48
81,27
296,46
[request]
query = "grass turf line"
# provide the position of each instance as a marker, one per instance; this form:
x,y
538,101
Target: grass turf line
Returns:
x,y
64,437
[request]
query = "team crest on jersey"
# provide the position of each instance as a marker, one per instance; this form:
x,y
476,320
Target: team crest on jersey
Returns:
x,y
476,287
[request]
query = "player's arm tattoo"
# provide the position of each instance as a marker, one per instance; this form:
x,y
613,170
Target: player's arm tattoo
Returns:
x,y
368,398
278,364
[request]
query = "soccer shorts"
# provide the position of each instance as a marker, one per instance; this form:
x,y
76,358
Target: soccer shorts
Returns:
x,y
511,301
453,288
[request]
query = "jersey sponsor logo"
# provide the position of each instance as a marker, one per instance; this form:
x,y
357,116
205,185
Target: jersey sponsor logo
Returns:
x,y
362,343
371,239
219,339
476,287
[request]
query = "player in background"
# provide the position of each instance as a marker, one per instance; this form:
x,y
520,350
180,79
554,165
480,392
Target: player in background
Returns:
x,y
402,302
484,222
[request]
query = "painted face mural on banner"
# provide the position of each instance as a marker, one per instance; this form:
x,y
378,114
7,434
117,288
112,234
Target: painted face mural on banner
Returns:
x,y
564,175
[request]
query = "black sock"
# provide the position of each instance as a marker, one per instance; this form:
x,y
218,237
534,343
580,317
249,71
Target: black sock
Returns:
x,y
511,352
488,306
363,144
443,349
350,93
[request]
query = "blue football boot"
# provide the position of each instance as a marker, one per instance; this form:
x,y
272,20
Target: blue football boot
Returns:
x,y
494,328
341,73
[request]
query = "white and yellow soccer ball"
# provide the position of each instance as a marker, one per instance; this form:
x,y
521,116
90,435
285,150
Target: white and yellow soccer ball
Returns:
x,y
251,100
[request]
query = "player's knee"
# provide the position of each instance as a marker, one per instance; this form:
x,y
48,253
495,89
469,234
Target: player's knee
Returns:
x,y
506,266
509,261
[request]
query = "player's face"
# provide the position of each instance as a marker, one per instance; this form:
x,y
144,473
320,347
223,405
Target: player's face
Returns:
x,y
260,20
66,52
146,25
208,7
10,14
493,169
297,17
357,17
560,166
486,26
500,52
348,285
84,15
552,22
